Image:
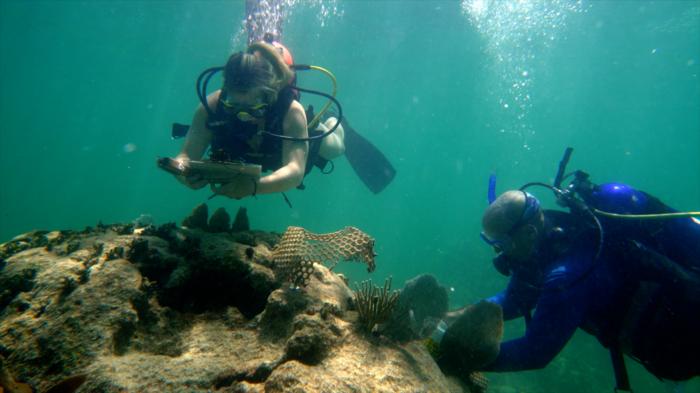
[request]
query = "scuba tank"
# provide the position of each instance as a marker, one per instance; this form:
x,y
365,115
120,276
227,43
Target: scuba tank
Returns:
x,y
625,212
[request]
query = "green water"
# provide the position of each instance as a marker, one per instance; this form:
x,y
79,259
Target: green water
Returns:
x,y
88,91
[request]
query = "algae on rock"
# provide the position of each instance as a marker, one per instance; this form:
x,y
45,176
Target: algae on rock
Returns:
x,y
179,309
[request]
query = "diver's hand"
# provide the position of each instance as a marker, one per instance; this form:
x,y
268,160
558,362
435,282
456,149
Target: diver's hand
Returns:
x,y
240,188
473,340
194,182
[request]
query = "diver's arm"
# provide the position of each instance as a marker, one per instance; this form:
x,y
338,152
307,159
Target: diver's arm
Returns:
x,y
199,136
294,154
558,315
508,304
196,143
516,299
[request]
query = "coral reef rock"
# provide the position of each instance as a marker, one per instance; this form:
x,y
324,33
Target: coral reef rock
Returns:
x,y
241,223
422,300
198,218
219,221
178,309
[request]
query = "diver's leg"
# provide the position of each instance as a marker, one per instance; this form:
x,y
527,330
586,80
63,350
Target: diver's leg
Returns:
x,y
333,145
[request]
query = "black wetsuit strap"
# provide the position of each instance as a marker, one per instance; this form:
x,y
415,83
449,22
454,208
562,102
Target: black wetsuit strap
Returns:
x,y
315,159
287,200
622,382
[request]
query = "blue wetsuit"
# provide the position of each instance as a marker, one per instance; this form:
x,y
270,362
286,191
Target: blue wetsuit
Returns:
x,y
615,297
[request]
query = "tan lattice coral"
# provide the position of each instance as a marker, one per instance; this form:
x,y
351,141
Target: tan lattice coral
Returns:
x,y
299,249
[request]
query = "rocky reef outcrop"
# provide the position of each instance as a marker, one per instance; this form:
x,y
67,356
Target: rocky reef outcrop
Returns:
x,y
121,308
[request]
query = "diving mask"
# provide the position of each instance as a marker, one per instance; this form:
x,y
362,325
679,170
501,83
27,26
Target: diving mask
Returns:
x,y
245,112
502,244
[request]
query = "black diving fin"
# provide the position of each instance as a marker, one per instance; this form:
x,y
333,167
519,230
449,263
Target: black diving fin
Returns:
x,y
370,164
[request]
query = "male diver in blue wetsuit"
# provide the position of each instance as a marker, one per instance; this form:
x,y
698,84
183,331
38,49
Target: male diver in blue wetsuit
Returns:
x,y
622,266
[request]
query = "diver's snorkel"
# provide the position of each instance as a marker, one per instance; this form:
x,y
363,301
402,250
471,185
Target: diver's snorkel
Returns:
x,y
557,180
206,75
491,196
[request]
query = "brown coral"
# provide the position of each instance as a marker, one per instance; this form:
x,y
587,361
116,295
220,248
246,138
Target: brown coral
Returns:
x,y
198,217
220,221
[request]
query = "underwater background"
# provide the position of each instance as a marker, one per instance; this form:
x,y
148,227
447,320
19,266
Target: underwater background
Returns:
x,y
450,91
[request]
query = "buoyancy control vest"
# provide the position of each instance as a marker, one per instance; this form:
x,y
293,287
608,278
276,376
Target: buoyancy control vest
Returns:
x,y
664,256
677,238
237,140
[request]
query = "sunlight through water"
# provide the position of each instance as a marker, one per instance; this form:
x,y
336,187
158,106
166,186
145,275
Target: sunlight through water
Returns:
x,y
272,14
514,32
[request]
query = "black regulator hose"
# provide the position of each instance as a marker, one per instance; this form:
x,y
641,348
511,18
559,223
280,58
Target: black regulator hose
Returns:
x,y
201,87
206,75
576,205
339,118
562,166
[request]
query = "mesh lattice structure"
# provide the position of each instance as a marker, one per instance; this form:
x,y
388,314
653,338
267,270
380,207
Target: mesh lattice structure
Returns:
x,y
477,382
299,249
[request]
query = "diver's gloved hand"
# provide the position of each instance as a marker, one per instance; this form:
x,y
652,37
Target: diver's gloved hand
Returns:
x,y
194,182
473,340
421,305
239,188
